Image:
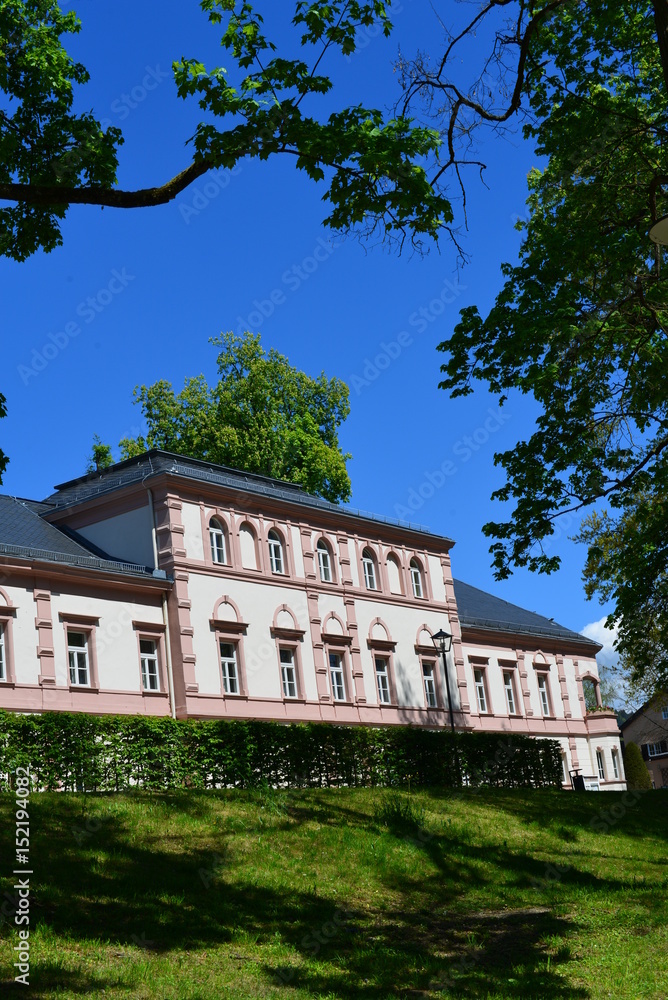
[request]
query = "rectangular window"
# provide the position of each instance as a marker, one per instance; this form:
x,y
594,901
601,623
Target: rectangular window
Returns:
x,y
336,676
599,765
369,573
275,554
544,694
664,712
479,676
615,764
509,685
416,578
228,666
288,673
3,658
77,652
148,653
429,678
382,680
324,564
217,536
656,749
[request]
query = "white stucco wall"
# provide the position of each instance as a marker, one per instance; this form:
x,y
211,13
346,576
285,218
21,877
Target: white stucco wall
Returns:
x,y
24,634
115,638
403,624
192,538
572,688
257,603
354,569
297,554
436,578
126,537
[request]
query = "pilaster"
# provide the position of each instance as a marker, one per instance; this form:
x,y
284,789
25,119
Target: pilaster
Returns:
x,y
45,647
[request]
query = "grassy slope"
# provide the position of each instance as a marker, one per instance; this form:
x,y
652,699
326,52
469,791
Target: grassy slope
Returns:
x,y
181,896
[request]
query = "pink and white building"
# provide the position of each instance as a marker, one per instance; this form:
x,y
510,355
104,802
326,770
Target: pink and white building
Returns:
x,y
165,585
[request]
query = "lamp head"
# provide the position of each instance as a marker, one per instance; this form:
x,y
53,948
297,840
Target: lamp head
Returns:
x,y
442,640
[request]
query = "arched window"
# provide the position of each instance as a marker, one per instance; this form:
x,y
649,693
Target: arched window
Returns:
x,y
217,538
416,578
324,561
275,552
369,567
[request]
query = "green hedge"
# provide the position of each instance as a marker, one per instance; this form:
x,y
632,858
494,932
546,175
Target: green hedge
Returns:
x,y
70,751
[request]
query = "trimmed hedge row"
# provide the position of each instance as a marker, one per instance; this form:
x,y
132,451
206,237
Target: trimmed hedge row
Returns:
x,y
74,752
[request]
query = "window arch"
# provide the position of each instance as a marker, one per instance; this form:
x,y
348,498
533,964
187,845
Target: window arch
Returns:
x,y
370,570
218,540
592,692
417,579
325,561
276,554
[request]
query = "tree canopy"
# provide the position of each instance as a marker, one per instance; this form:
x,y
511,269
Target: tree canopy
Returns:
x,y
261,416
580,322
370,163
52,157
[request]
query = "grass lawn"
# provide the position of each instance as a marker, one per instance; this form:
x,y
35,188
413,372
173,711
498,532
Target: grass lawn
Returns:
x,y
337,893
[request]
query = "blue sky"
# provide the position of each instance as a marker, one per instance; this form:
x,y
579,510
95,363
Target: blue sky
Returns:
x,y
134,296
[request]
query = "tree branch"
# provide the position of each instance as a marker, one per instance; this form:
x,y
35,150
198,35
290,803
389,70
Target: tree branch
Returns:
x,y
46,197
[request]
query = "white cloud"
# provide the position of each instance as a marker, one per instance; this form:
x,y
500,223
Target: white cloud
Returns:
x,y
599,632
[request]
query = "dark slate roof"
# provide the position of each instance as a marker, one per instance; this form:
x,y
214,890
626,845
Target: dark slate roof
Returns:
x,y
478,609
26,535
156,462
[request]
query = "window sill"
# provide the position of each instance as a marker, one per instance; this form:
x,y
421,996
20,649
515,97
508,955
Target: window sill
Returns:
x,y
154,694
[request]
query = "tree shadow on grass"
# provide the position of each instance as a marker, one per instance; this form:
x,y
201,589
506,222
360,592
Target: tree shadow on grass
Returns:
x,y
45,978
113,886
635,814
469,955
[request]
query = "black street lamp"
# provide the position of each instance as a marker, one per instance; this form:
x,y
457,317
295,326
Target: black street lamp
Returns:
x,y
443,643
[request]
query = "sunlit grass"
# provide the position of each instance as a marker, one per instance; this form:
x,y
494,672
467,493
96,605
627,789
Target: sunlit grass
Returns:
x,y
344,893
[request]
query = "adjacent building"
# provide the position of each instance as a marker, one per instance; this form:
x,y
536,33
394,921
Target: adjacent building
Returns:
x,y
165,585
648,727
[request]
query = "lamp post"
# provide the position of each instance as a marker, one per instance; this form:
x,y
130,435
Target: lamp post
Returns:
x,y
443,643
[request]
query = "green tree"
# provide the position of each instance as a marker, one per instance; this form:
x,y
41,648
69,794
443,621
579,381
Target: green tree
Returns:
x,y
262,416
52,157
637,776
580,323
100,456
